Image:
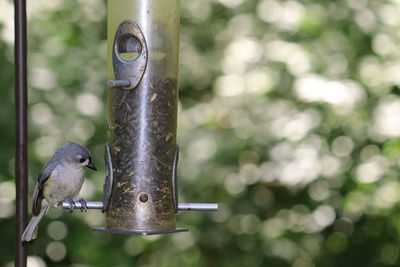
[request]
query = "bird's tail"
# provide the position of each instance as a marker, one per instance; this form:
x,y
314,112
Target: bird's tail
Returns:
x,y
32,228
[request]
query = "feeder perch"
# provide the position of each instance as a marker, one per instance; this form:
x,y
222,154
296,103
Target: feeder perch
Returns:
x,y
141,156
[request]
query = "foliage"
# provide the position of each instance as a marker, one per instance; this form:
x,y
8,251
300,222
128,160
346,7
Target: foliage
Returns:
x,y
289,118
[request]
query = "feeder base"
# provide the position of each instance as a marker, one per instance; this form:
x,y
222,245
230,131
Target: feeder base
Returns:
x,y
140,232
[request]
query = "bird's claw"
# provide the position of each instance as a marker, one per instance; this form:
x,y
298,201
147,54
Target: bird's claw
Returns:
x,y
72,205
83,205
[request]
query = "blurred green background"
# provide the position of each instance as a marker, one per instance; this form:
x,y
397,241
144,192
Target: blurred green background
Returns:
x,y
289,118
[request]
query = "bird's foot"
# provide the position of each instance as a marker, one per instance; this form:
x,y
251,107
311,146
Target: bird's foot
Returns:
x,y
72,205
83,204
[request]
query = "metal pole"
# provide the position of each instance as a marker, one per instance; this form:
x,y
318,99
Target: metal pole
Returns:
x,y
21,165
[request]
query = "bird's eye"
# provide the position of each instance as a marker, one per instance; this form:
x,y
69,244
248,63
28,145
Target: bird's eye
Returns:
x,y
82,160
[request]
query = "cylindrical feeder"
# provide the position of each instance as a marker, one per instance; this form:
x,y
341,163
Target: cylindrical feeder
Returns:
x,y
143,50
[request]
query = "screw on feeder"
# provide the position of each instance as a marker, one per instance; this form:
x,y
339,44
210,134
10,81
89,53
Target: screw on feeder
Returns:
x,y
143,197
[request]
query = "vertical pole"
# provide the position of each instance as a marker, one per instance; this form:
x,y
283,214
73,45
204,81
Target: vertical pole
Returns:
x,y
142,121
21,166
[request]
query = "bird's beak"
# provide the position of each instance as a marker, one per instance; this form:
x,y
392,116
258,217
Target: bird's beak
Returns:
x,y
91,166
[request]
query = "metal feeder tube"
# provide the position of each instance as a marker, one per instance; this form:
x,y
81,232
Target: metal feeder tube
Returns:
x,y
143,47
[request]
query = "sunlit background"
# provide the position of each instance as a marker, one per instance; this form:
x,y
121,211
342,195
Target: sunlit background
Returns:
x,y
289,118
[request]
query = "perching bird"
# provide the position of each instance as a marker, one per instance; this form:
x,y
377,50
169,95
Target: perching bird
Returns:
x,y
60,179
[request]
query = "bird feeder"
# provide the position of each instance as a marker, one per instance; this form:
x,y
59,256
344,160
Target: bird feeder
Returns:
x,y
140,189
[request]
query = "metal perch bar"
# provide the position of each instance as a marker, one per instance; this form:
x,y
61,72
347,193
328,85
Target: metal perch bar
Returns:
x,y
181,206
198,206
118,83
78,205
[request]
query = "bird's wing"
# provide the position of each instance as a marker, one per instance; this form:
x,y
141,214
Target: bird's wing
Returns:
x,y
44,176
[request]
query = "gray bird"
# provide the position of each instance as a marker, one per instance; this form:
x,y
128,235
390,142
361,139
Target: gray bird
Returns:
x,y
60,179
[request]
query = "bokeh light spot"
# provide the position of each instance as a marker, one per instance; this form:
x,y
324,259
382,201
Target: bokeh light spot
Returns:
x,y
89,104
56,251
336,242
133,246
41,113
390,253
342,146
57,230
35,261
7,191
